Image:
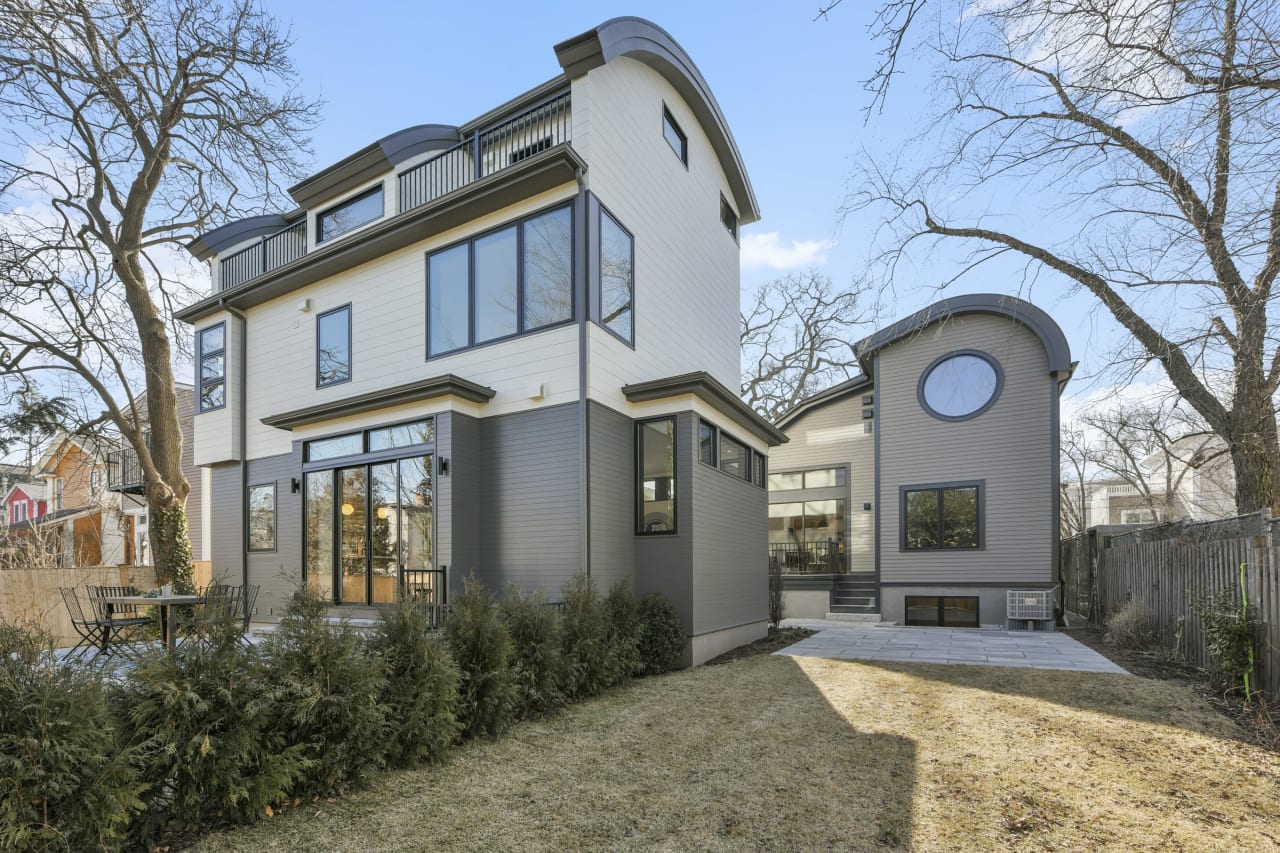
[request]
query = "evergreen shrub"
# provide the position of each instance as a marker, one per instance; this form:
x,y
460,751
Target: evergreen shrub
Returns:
x,y
662,639
622,616
589,664
481,648
535,631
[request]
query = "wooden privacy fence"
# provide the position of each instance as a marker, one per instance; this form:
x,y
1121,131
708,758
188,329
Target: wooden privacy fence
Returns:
x,y
1171,568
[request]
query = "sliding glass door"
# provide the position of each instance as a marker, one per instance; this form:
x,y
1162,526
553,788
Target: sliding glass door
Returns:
x,y
369,532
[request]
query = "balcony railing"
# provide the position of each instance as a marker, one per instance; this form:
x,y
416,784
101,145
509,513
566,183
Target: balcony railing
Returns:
x,y
809,558
488,151
124,474
268,253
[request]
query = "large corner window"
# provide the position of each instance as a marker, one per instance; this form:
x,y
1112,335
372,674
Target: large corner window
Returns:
x,y
211,358
735,458
262,517
617,278
349,215
706,443
656,476
720,450
504,283
333,347
675,136
942,517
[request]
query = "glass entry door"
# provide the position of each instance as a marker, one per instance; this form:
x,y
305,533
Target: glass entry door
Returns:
x,y
379,519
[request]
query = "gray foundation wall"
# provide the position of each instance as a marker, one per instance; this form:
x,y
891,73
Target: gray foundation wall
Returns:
x,y
991,601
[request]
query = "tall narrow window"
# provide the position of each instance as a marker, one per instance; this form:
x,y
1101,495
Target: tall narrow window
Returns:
x,y
728,218
333,346
656,477
211,355
675,136
262,517
617,278
497,296
448,273
706,443
349,215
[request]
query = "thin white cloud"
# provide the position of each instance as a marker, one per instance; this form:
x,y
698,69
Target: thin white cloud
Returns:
x,y
766,250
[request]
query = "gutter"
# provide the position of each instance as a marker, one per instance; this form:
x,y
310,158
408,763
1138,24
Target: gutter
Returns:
x,y
244,438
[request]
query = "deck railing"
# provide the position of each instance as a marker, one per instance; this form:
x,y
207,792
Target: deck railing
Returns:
x,y
124,473
808,558
488,151
270,252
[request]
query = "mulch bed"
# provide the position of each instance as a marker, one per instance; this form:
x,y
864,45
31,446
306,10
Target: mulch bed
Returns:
x,y
779,638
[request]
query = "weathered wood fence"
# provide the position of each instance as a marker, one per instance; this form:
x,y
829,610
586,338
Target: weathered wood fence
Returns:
x,y
1171,568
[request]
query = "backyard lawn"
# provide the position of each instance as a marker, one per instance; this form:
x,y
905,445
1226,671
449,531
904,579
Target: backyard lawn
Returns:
x,y
781,753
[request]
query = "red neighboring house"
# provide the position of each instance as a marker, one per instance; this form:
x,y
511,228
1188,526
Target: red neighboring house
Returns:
x,y
23,503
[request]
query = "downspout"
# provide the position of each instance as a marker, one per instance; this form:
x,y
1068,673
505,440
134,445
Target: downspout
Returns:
x,y
584,479
244,438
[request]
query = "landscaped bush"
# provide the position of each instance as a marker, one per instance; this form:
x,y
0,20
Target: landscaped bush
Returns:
x,y
212,738
589,664
662,640
622,616
1131,627
420,693
534,627
66,783
1231,635
775,592
331,684
481,647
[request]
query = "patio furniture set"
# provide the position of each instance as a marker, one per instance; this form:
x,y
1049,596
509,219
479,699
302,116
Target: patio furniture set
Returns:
x,y
113,618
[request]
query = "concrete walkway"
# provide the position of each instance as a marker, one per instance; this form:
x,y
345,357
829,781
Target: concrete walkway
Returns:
x,y
1034,650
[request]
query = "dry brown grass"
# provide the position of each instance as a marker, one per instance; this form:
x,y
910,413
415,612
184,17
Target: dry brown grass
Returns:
x,y
776,753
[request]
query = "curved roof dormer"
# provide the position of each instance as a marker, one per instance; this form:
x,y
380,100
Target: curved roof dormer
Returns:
x,y
648,43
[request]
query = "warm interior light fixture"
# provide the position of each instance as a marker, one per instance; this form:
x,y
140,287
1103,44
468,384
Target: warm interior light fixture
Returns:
x,y
347,509
383,512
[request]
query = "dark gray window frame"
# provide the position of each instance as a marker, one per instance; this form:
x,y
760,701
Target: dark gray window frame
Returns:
x,y
747,463
725,207
350,347
848,479
521,331
380,189
715,443
275,516
364,453
760,469
682,153
995,395
638,465
981,486
977,610
200,357
603,212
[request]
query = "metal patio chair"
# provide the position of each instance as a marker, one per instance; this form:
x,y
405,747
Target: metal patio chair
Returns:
x,y
92,630
117,619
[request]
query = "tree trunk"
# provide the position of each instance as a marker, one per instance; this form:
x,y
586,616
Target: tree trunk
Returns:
x,y
1255,447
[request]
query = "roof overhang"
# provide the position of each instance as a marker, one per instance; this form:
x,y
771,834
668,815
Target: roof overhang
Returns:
x,y
447,385
1019,310
648,43
540,173
712,392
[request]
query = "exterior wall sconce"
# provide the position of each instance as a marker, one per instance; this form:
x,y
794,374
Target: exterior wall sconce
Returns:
x,y
867,507
294,485
443,465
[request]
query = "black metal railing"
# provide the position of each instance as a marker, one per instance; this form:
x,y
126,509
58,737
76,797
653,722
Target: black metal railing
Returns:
x,y
488,151
270,252
124,473
808,558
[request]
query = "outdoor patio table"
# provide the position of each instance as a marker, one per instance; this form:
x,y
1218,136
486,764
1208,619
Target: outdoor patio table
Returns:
x,y
164,602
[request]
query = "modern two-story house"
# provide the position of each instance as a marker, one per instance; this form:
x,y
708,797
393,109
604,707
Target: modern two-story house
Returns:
x,y
926,489
503,349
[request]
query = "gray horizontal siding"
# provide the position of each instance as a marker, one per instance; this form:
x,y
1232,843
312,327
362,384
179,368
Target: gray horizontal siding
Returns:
x,y
612,484
459,520
529,516
225,522
278,572
730,553
664,563
1010,447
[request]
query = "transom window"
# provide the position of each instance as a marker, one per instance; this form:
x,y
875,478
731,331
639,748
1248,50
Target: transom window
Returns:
x,y
333,346
720,450
504,283
960,385
349,215
942,517
211,357
675,136
821,478
371,440
617,278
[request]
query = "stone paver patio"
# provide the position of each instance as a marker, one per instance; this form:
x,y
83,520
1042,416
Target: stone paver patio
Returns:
x,y
1027,649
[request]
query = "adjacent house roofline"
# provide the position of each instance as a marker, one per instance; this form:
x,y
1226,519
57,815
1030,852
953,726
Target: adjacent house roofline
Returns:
x,y
830,395
1035,319
702,385
413,392
647,42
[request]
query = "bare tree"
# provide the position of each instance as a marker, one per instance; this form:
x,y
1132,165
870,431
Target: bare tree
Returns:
x,y
1077,457
132,126
797,339
1146,131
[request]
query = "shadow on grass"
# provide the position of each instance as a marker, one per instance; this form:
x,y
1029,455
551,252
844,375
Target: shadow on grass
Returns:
x,y
749,755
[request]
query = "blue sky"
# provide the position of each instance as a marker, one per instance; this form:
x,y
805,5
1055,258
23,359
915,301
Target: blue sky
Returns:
x,y
789,86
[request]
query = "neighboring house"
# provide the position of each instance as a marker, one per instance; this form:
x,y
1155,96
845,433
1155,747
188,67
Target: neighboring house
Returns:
x,y
12,474
124,475
23,502
923,490
504,350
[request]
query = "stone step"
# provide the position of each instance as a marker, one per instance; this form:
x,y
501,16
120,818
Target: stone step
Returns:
x,y
859,617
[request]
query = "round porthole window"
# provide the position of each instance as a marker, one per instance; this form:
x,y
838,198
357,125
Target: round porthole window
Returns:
x,y
960,385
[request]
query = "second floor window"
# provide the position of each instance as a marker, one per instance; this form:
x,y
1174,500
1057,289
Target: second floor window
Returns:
x,y
617,278
211,355
507,282
19,512
333,346
349,215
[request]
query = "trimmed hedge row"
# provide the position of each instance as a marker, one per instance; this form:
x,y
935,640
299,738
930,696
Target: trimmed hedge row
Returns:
x,y
217,733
